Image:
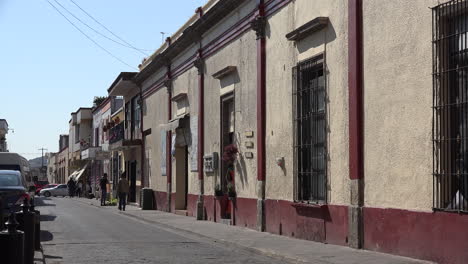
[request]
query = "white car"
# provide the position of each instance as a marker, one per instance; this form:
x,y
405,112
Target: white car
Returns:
x,y
59,190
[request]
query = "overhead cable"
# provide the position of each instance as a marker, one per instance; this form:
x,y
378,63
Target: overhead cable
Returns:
x,y
108,30
88,37
96,31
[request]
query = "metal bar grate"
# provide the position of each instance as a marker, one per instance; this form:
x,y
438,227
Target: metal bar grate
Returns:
x,y
310,130
450,108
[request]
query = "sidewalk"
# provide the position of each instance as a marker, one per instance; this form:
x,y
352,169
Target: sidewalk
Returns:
x,y
288,249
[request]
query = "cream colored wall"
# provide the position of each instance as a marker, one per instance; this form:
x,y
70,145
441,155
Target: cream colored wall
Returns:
x,y
155,114
228,21
242,54
398,100
282,56
150,81
187,83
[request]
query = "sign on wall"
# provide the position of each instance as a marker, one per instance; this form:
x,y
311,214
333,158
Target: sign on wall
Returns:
x,y
194,146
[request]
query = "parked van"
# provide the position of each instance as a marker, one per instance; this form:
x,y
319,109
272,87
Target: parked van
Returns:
x,y
14,161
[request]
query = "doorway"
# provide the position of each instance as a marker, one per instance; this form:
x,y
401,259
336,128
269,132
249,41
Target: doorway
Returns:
x,y
181,157
227,138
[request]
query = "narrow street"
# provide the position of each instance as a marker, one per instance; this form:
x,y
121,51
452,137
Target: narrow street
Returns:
x,y
76,232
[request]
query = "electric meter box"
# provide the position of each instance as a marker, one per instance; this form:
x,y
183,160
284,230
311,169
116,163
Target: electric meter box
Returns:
x,y
210,162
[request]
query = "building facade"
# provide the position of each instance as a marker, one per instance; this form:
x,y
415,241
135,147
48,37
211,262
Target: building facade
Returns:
x,y
3,132
51,167
310,119
341,122
131,144
62,160
80,138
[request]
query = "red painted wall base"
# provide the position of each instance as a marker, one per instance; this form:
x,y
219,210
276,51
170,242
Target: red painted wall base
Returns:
x,y
441,237
322,224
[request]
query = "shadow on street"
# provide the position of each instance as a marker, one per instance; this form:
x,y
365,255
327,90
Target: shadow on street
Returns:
x,y
39,201
47,218
46,236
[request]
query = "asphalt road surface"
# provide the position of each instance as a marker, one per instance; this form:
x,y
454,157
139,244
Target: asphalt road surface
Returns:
x,y
75,232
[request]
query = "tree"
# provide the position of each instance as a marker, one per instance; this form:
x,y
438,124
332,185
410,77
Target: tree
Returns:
x,y
98,100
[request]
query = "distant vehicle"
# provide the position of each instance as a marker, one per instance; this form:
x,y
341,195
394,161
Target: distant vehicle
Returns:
x,y
13,190
48,186
40,185
14,161
59,190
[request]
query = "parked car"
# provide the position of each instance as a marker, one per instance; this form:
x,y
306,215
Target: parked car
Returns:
x,y
59,190
40,185
13,190
48,186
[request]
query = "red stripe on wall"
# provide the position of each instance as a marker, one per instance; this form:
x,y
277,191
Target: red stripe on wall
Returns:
x,y
355,89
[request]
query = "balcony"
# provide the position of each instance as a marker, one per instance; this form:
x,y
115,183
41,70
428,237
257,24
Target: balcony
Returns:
x,y
116,133
3,146
3,127
132,135
83,114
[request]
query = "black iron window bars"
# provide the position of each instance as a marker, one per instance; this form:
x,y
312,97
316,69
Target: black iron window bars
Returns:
x,y
310,137
450,106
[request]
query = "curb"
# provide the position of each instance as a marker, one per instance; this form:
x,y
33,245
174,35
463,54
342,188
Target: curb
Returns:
x,y
39,256
222,241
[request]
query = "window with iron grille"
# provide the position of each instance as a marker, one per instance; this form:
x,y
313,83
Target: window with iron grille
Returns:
x,y
450,106
310,140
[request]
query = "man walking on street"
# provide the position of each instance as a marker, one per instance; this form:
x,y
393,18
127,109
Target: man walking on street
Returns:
x,y
71,187
122,191
103,185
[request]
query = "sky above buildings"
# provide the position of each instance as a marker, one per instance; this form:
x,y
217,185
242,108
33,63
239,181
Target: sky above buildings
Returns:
x,y
49,69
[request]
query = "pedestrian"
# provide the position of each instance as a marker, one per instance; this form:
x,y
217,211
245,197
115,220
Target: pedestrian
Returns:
x,y
103,185
79,189
122,191
89,191
71,187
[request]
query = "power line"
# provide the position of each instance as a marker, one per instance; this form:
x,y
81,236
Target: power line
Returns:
x,y
88,37
108,30
96,31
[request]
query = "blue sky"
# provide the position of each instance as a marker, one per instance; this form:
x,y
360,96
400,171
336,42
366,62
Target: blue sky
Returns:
x,y
48,69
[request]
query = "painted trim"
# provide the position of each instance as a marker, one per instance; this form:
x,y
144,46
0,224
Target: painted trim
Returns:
x,y
169,133
355,91
225,38
261,98
201,119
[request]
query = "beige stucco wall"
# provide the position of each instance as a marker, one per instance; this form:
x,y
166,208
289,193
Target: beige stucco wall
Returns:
x,y
282,56
186,83
397,103
242,54
154,114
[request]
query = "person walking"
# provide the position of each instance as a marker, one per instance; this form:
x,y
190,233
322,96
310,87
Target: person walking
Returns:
x,y
103,185
71,187
79,189
122,191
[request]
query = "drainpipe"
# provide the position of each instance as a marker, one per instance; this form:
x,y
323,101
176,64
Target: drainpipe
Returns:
x,y
199,64
356,125
168,84
143,143
258,25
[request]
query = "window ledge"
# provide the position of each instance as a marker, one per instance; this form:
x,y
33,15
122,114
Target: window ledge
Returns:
x,y
307,29
299,205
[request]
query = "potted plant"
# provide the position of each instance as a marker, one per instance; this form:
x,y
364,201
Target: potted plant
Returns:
x,y
218,191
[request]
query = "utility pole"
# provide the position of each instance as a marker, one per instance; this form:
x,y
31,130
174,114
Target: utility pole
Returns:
x,y
162,36
42,160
